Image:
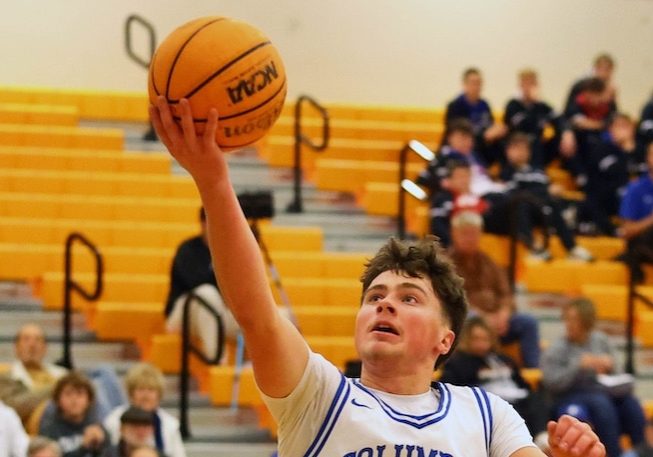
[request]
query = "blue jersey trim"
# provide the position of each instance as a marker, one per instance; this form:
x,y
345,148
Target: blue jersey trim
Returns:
x,y
481,407
418,422
339,401
489,412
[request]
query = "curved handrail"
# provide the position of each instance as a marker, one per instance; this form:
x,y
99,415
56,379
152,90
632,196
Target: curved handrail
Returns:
x,y
70,286
187,347
135,18
296,205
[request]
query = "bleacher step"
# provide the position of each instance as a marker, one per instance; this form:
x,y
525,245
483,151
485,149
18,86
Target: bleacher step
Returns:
x,y
199,449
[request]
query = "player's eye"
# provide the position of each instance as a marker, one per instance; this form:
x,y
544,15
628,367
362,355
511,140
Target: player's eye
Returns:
x,y
374,298
410,299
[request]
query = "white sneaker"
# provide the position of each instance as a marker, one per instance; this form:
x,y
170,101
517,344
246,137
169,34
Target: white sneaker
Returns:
x,y
539,254
580,253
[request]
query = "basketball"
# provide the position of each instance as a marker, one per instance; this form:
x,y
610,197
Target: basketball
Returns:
x,y
222,63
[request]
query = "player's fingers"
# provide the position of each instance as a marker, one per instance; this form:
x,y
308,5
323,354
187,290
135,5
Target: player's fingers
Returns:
x,y
211,129
187,124
155,118
169,125
598,450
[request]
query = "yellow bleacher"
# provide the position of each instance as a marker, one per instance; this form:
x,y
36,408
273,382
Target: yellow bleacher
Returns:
x,y
17,113
60,136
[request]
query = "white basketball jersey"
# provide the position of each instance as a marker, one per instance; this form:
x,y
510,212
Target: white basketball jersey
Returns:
x,y
331,416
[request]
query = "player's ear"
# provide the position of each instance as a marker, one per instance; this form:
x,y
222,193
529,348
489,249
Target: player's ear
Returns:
x,y
443,346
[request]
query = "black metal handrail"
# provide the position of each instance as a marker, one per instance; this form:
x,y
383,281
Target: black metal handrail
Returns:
x,y
296,205
150,135
633,295
426,154
136,19
187,347
70,286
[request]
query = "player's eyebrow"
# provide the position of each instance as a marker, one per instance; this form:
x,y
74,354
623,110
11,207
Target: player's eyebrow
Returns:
x,y
379,287
403,285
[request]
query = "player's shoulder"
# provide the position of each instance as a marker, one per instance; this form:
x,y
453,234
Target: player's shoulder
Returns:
x,y
473,395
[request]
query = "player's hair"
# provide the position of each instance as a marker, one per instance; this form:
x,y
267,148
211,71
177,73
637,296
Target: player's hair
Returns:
x,y
423,259
586,311
471,71
77,381
455,164
527,73
620,116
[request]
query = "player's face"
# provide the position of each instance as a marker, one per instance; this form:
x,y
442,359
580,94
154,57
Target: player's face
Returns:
x,y
401,319
622,130
466,239
73,402
146,397
480,342
30,345
528,86
461,142
576,331
518,154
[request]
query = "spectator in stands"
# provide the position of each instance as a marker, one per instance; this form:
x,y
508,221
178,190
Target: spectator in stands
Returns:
x,y
645,128
145,384
636,212
478,362
527,114
30,368
646,448
192,271
603,69
40,446
487,287
571,368
136,431
40,376
74,425
535,201
471,106
607,172
13,439
454,197
459,146
588,114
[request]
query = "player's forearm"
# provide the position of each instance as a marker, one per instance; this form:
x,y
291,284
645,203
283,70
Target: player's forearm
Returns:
x,y
631,229
237,260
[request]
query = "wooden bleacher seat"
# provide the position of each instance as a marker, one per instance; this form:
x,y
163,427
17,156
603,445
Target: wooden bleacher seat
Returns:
x,y
561,275
374,113
64,137
92,104
360,129
319,264
326,321
353,175
109,161
611,300
17,113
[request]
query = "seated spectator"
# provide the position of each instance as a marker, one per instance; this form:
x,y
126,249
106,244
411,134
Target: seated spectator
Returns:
x,y
607,172
459,146
529,115
636,212
541,207
39,376
145,385
31,368
603,69
471,106
645,127
136,431
588,114
487,288
74,425
13,439
40,446
646,448
453,198
26,403
192,270
478,362
571,367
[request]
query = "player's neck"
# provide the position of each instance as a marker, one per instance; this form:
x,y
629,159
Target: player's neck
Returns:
x,y
394,380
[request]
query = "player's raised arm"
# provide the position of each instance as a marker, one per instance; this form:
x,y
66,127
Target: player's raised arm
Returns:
x,y
278,352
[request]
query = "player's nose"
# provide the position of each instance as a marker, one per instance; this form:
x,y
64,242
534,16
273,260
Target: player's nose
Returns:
x,y
385,306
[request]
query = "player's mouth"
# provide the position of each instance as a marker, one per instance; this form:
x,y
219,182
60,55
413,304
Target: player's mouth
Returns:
x,y
384,327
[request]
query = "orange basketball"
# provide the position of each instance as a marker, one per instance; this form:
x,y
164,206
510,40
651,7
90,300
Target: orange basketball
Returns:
x,y
222,63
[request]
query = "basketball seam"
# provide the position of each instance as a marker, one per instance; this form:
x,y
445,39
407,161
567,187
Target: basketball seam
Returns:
x,y
223,69
181,49
231,116
156,90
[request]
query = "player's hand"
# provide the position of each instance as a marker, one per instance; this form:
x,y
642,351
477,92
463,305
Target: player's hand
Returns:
x,y
570,437
568,144
93,436
199,154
